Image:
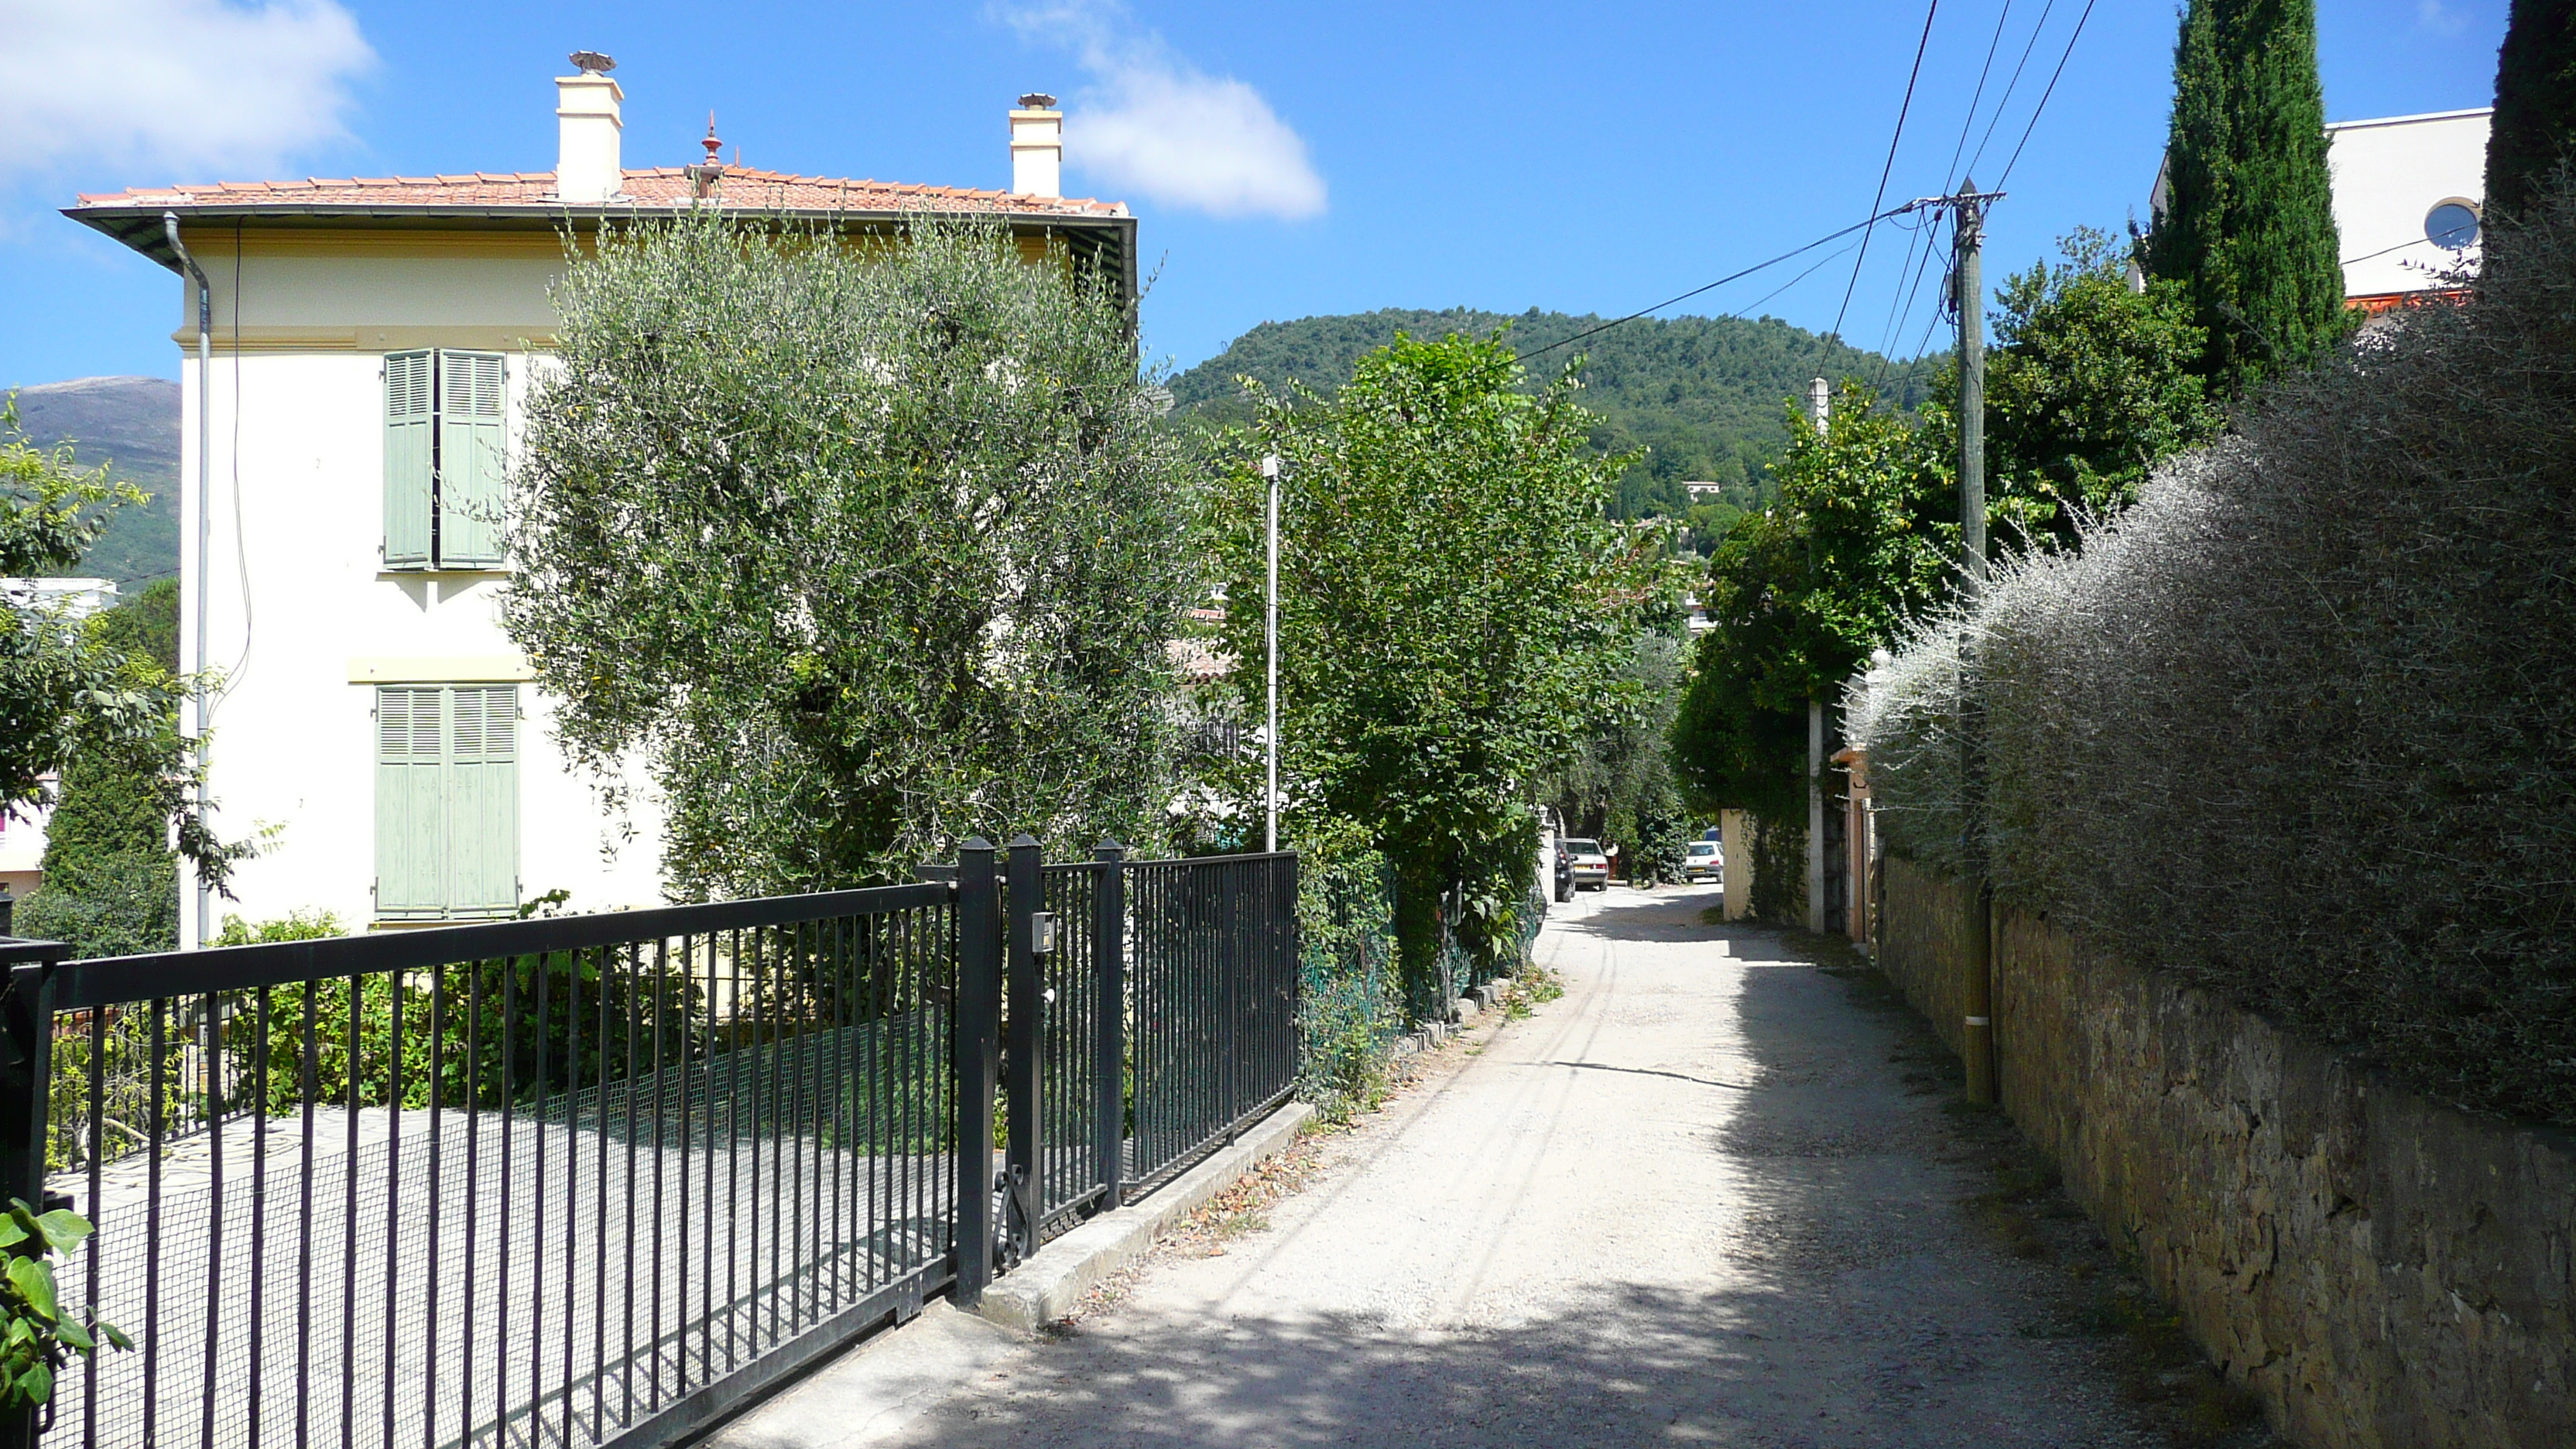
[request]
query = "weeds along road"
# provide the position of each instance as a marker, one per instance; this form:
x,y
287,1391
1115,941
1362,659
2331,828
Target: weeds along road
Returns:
x,y
1699,1199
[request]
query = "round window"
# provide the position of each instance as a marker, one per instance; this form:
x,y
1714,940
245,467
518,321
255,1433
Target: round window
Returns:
x,y
2452,224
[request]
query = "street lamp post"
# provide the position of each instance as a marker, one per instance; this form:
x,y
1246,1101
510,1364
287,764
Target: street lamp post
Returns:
x,y
1270,658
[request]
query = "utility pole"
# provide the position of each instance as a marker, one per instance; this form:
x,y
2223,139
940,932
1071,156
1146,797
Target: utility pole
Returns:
x,y
1820,408
1270,658
1967,211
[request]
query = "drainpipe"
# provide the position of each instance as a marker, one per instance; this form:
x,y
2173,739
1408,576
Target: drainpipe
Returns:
x,y
205,529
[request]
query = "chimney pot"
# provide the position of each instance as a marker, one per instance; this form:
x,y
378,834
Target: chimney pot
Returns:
x,y
588,168
1037,146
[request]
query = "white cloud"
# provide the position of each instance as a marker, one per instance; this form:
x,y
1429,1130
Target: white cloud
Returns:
x,y
160,91
2438,18
1152,123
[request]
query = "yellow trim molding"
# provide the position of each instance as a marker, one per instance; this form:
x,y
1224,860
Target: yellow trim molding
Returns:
x,y
213,242
452,669
369,339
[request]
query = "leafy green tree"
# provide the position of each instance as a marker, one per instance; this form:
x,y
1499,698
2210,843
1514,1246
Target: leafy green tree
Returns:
x,y
2248,223
1455,602
865,547
2535,104
1618,783
2092,382
111,881
1864,533
85,702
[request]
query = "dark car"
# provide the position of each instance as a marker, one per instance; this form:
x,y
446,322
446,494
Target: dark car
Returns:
x,y
1564,873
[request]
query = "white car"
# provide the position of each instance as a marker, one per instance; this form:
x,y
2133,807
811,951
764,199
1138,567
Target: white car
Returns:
x,y
1700,862
1591,867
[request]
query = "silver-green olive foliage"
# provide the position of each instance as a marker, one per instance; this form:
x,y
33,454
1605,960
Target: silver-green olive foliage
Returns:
x,y
864,545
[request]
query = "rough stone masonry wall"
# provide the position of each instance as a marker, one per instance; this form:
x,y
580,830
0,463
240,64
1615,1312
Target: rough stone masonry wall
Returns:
x,y
2383,1272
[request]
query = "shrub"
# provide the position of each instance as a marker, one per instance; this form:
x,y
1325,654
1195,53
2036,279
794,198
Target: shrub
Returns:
x,y
2293,727
1351,997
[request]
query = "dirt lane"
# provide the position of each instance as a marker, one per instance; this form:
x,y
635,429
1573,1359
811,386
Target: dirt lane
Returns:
x,y
1696,1200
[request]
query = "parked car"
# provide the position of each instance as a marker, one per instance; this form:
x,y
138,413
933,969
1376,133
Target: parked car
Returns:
x,y
1591,868
1700,862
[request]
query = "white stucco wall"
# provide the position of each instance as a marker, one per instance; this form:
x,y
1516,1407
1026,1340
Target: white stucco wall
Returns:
x,y
2388,174
297,513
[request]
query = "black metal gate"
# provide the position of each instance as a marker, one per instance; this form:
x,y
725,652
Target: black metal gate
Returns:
x,y
597,1180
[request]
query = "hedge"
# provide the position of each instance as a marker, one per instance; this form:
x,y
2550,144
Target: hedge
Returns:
x,y
2296,727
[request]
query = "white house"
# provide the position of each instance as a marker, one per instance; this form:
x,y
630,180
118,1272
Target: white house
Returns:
x,y
2409,194
2409,201
372,341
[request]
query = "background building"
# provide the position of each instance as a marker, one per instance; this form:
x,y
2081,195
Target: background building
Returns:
x,y
374,341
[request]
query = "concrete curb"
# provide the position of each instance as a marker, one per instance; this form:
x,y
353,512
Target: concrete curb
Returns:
x,y
1049,1285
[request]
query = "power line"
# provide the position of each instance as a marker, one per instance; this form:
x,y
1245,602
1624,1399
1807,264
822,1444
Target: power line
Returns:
x,y
1879,200
1968,122
2042,107
1712,286
2005,100
1913,292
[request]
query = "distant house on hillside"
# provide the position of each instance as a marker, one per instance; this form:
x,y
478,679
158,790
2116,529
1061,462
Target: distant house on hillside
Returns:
x,y
2409,201
374,339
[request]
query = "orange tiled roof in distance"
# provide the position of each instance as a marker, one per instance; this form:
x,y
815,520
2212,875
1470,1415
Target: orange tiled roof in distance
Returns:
x,y
743,189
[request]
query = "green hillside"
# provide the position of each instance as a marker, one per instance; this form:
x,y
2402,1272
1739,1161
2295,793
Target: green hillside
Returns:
x,y
1703,393
131,424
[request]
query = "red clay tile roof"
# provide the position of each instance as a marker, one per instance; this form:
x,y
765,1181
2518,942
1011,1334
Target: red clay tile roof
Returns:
x,y
743,188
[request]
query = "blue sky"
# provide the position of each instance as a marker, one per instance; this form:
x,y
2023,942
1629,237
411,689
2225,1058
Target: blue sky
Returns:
x,y
1285,160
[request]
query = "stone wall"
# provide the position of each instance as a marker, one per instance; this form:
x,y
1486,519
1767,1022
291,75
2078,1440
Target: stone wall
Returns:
x,y
2383,1272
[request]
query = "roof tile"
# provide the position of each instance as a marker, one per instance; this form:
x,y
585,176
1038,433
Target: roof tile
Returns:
x,y
743,187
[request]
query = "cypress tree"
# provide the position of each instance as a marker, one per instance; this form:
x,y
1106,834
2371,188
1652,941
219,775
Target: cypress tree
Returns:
x,y
2248,219
2535,102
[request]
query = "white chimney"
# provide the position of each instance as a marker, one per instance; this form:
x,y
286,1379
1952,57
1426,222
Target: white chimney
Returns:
x,y
1037,146
1820,402
587,167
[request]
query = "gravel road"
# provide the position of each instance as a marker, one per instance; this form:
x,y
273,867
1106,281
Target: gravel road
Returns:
x,y
1696,1200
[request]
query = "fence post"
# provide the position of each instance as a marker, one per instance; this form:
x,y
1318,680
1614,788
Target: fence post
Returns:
x,y
26,1077
1293,965
1109,1053
979,1018
1024,1019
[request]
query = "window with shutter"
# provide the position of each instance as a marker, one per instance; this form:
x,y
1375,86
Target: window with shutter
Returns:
x,y
411,421
483,800
472,457
447,801
411,804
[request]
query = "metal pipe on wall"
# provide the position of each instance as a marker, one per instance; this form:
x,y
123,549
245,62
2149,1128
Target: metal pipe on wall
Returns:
x,y
203,703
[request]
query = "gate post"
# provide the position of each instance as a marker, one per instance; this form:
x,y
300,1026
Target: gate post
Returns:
x,y
26,1079
1288,985
1024,1020
977,1028
1109,1051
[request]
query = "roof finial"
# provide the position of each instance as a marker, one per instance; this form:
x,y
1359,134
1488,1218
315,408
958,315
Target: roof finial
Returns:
x,y
704,176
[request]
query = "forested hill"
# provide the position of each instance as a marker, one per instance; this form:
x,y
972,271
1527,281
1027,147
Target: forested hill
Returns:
x,y
132,424
1705,393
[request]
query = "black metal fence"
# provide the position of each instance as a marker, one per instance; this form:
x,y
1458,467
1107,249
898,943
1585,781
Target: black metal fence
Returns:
x,y
597,1180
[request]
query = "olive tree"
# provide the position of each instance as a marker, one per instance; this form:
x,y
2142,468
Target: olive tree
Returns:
x,y
862,545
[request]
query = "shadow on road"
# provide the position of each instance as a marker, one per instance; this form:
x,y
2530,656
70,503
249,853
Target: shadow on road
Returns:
x,y
1837,1292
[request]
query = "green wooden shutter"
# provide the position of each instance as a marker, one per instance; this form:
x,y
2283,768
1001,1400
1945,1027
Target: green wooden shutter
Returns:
x,y
411,804
472,458
409,417
483,799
